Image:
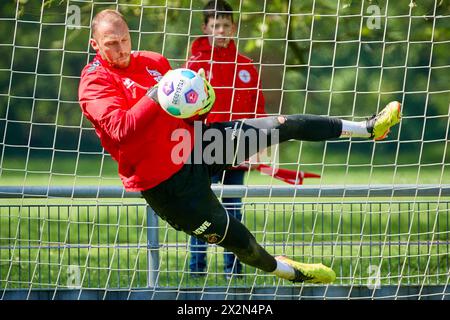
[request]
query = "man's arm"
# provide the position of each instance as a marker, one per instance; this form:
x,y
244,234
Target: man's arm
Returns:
x,y
105,106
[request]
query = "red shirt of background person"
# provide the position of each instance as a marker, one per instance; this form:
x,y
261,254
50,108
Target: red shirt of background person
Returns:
x,y
131,126
233,76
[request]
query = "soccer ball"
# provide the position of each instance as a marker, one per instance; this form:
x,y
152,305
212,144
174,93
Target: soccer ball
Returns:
x,y
182,93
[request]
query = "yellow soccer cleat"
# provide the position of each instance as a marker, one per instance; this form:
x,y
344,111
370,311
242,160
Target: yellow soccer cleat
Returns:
x,y
380,125
309,272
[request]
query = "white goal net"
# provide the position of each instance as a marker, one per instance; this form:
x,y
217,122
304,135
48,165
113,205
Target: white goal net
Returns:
x,y
378,214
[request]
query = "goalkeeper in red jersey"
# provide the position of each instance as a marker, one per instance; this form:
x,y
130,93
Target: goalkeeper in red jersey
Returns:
x,y
117,93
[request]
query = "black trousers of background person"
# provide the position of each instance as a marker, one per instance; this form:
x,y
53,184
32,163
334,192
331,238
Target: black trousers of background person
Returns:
x,y
187,202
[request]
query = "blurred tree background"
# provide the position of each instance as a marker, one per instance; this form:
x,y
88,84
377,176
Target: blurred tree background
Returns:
x,y
315,56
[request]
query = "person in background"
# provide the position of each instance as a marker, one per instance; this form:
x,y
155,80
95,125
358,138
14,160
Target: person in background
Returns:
x,y
238,95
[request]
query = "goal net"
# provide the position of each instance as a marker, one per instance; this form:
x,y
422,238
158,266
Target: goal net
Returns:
x,y
378,214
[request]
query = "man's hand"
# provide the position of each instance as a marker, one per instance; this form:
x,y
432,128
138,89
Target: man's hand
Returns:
x,y
201,72
211,94
152,93
208,104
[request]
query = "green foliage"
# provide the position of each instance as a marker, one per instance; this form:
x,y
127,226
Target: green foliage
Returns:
x,y
315,57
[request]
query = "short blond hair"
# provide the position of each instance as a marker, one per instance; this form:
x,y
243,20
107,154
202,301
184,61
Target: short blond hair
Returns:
x,y
108,15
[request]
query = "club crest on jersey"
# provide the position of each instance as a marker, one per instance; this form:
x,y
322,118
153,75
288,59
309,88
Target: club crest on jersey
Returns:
x,y
244,75
212,238
93,66
128,83
155,74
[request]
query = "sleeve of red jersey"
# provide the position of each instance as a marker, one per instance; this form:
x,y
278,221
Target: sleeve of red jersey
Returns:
x,y
103,104
164,64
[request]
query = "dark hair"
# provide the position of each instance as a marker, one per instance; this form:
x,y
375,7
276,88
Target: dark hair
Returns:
x,y
217,9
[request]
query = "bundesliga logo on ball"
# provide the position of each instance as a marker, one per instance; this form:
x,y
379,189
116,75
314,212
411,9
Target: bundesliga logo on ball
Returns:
x,y
182,93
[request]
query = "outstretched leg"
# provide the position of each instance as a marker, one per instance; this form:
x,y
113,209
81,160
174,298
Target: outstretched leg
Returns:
x,y
251,136
195,209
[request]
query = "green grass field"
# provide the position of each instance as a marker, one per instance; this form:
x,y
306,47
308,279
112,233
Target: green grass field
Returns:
x,y
92,174
41,245
95,243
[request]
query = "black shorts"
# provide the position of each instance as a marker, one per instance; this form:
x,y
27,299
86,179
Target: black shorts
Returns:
x,y
186,200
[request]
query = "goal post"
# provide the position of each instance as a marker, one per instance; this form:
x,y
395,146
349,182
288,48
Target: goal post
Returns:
x,y
378,214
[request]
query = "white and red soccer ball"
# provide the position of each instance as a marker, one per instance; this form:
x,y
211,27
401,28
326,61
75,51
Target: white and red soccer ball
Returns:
x,y
182,93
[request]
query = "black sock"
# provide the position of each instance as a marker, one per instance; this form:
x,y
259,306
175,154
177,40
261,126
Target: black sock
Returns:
x,y
309,127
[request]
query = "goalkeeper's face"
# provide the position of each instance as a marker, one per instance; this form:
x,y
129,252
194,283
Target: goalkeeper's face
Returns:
x,y
112,41
220,31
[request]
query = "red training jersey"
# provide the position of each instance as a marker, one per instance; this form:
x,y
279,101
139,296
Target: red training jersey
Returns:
x,y
234,78
131,126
